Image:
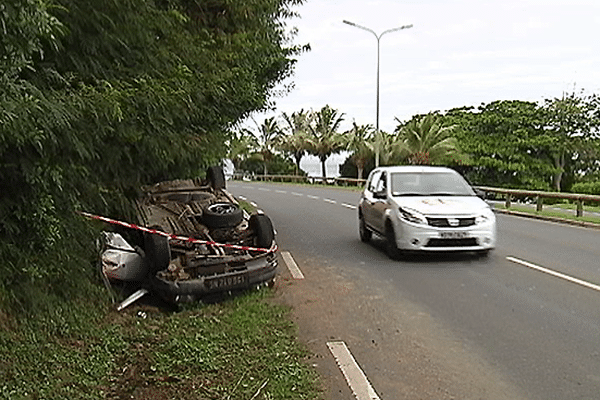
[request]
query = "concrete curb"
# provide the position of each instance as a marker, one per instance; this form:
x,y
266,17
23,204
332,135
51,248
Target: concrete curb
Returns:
x,y
548,218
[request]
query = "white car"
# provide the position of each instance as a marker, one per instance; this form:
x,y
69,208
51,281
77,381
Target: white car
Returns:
x,y
422,208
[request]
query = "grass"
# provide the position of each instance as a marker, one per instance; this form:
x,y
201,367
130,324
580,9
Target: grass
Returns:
x,y
242,348
550,213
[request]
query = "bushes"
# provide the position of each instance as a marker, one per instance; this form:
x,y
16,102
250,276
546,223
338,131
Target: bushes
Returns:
x,y
586,188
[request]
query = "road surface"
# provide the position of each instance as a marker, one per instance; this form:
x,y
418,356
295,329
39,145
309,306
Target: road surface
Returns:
x,y
523,323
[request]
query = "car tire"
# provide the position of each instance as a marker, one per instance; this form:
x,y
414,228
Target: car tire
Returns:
x,y
263,229
363,231
216,177
222,215
483,253
158,251
391,246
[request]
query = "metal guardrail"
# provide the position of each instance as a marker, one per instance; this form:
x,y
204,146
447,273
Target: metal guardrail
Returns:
x,y
301,179
509,194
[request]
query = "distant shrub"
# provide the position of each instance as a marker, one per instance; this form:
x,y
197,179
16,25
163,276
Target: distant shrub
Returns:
x,y
586,188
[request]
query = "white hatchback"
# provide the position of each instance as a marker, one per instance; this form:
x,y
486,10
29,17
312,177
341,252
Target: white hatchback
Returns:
x,y
422,208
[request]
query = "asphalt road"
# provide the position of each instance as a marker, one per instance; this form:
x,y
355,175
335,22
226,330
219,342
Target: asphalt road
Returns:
x,y
486,327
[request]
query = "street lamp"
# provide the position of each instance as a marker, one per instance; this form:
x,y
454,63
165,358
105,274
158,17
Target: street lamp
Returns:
x,y
377,37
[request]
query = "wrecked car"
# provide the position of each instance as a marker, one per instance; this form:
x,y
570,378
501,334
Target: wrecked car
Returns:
x,y
196,241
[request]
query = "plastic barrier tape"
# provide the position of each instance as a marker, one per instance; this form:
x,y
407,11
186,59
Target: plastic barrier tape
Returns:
x,y
175,237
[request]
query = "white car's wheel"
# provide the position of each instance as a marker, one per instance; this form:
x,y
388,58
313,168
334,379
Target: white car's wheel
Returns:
x,y
363,231
391,247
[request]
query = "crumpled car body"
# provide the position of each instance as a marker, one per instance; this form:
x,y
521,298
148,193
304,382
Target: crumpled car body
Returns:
x,y
197,241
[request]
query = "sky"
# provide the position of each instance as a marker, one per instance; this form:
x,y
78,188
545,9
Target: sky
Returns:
x,y
457,53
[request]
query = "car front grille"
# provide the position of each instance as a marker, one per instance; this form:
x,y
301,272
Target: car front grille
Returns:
x,y
444,223
466,242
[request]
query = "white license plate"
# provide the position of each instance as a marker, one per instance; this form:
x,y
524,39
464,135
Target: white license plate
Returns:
x,y
454,235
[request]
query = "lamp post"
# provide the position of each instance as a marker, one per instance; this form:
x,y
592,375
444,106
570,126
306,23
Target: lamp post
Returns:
x,y
378,37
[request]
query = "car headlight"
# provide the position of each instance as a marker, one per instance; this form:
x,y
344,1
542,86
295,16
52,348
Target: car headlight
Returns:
x,y
413,216
486,216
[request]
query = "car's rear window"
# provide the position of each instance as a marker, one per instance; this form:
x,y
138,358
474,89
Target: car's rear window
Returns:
x,y
429,184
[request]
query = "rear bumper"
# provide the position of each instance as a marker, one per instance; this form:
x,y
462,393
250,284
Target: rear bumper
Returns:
x,y
256,271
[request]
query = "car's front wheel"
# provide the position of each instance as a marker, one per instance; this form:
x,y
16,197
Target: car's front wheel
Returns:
x,y
391,247
363,231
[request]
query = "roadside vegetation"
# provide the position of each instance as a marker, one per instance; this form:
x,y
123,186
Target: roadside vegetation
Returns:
x,y
548,212
242,348
98,98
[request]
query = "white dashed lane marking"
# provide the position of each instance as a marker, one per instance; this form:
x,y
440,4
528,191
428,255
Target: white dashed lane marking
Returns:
x,y
264,189
297,194
292,266
330,201
554,273
310,196
357,380
350,206
281,191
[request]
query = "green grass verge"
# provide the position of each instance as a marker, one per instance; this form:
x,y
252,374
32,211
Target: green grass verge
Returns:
x,y
550,213
231,350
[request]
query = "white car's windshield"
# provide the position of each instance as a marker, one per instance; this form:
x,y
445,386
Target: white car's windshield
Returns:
x,y
429,184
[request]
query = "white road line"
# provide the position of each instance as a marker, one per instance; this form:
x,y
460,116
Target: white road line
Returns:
x,y
310,196
554,273
358,382
297,194
292,266
330,201
242,198
281,191
264,189
254,204
350,206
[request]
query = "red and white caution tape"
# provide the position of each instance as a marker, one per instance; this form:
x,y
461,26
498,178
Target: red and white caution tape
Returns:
x,y
176,237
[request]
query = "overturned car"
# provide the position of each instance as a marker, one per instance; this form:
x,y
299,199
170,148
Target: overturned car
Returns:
x,y
197,241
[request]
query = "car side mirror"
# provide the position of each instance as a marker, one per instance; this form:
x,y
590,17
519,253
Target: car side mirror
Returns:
x,y
481,194
380,195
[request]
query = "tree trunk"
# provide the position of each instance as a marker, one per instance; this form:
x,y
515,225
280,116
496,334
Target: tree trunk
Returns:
x,y
323,171
559,162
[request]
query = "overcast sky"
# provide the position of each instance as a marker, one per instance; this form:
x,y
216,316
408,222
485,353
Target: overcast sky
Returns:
x,y
458,53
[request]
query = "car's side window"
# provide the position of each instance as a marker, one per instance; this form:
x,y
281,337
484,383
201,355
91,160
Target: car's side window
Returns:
x,y
373,182
380,185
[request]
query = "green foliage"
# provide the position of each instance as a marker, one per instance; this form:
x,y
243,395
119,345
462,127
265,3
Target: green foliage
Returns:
x,y
505,143
586,188
225,350
425,140
100,97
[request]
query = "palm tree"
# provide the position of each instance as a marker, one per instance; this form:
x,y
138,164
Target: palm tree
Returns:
x,y
359,141
324,139
424,141
295,143
240,146
268,132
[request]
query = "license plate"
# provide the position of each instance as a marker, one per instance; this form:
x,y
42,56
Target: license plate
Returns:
x,y
226,282
453,235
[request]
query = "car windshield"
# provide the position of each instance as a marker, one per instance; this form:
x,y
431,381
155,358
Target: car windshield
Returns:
x,y
429,184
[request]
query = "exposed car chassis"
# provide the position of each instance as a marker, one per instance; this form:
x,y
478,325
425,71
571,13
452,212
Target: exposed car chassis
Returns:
x,y
198,242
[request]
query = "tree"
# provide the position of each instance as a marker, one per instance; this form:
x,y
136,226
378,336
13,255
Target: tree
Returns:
x,y
295,142
100,97
504,142
425,140
359,141
324,139
268,135
569,123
